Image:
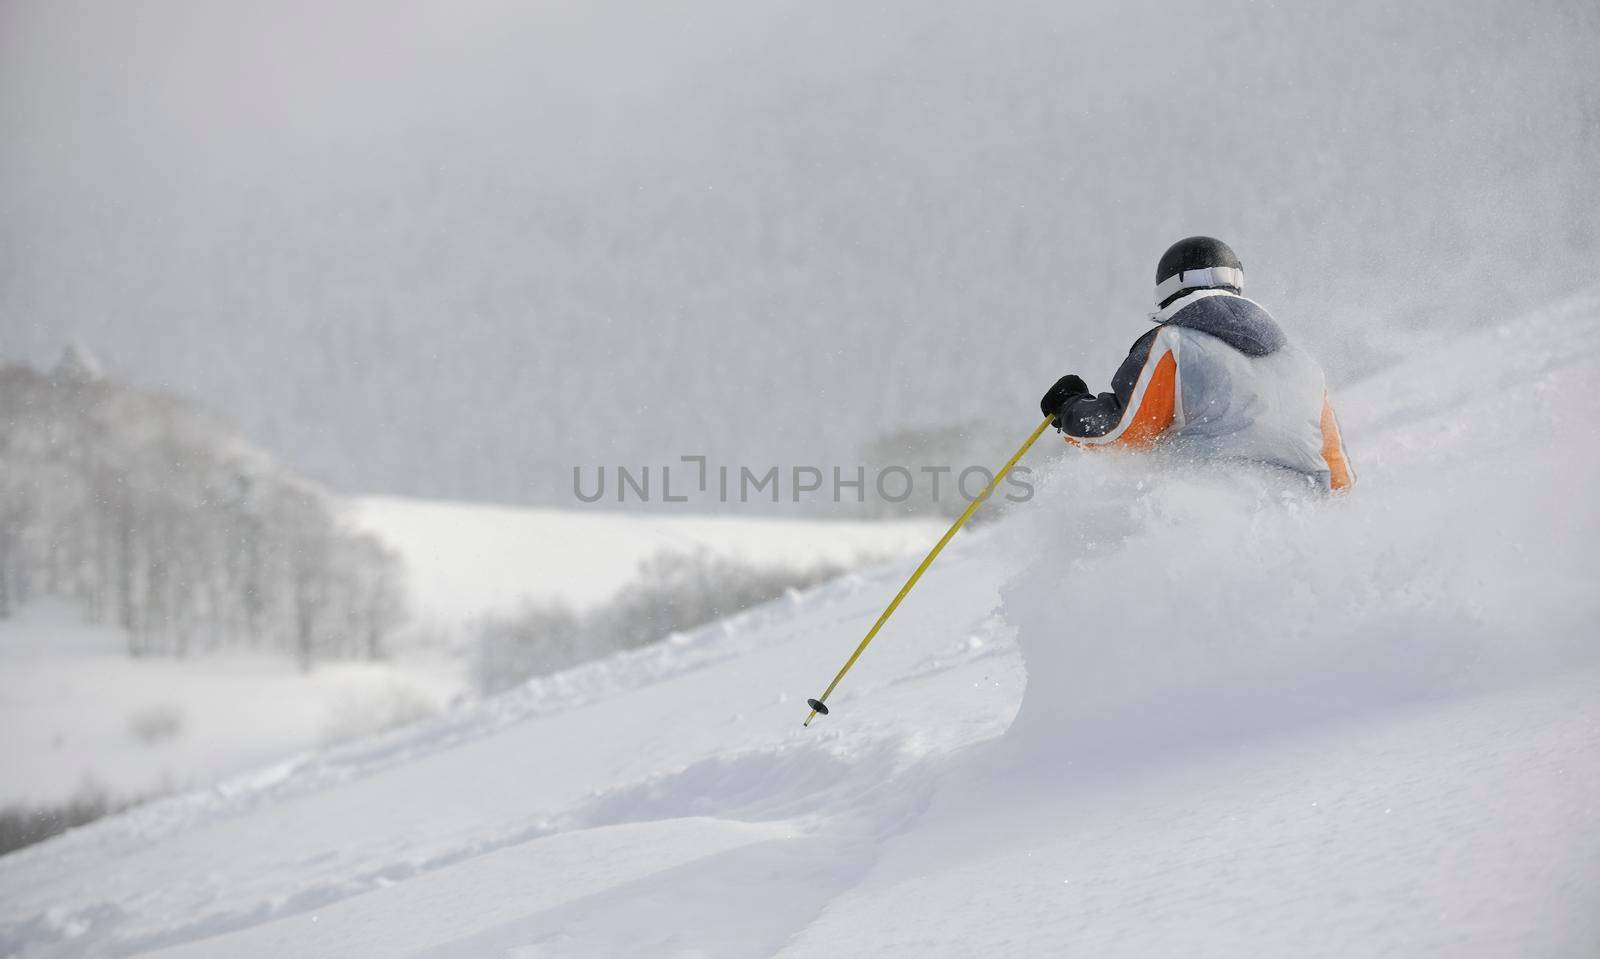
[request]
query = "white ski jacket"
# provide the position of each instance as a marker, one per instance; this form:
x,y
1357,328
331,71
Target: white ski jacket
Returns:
x,y
1218,378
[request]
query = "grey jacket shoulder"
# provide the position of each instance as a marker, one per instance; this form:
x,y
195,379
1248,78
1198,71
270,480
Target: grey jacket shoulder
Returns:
x,y
1236,321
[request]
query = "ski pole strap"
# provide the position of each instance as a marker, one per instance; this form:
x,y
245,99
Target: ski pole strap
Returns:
x,y
819,705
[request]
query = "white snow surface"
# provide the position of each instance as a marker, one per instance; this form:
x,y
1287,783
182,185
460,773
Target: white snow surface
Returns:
x,y
1159,710
81,715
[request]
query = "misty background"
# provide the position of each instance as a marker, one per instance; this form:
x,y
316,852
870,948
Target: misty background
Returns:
x,y
457,249
309,311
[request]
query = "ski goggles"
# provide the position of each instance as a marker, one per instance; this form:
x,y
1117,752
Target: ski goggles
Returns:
x,y
1192,279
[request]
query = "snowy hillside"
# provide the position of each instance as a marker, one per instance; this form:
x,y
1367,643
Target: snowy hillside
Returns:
x,y
83,717
1154,712
465,560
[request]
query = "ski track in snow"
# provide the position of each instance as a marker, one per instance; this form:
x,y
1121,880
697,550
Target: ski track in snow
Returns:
x,y
1252,725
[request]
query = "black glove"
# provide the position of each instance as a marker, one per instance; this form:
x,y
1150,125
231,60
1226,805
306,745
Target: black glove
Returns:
x,y
1067,389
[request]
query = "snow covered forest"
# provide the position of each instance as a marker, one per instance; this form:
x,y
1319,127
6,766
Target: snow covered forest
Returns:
x,y
158,519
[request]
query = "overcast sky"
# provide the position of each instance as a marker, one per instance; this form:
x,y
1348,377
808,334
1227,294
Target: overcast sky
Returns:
x,y
458,248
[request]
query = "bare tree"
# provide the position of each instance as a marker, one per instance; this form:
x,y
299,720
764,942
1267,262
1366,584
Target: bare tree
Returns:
x,y
154,516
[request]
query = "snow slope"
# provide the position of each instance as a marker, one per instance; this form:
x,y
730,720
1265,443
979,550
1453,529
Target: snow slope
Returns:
x,y
1156,711
465,560
80,714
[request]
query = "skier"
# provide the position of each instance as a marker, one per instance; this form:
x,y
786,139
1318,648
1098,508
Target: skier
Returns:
x,y
1216,378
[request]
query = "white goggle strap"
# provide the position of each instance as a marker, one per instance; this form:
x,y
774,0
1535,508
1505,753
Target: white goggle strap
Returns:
x,y
1210,276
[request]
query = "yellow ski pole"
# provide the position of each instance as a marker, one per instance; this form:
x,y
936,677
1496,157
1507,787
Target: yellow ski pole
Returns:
x,y
820,704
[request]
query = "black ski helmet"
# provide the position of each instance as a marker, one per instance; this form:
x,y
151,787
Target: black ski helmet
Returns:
x,y
1197,263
